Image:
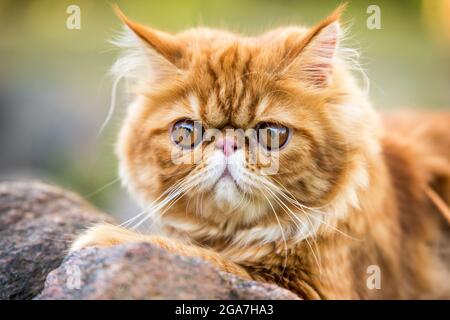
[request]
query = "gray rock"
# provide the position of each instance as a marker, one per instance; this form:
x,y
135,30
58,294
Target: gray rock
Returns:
x,y
37,223
143,271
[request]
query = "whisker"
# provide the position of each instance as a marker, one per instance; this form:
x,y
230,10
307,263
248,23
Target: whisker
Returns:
x,y
175,195
302,207
89,195
292,214
176,192
282,234
154,202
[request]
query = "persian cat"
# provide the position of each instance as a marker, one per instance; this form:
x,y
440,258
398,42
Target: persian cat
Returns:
x,y
263,156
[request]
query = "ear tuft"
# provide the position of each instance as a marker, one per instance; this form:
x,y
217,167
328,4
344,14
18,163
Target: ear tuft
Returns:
x,y
163,43
319,56
315,56
148,56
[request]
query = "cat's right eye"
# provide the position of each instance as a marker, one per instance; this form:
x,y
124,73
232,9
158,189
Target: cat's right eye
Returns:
x,y
187,133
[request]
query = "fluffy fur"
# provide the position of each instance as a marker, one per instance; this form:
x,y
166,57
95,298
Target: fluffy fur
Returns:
x,y
351,190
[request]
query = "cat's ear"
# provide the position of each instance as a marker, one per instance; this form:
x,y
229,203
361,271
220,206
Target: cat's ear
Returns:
x,y
148,53
315,53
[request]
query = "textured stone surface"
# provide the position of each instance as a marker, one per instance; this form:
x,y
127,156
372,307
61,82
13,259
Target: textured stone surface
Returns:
x,y
37,222
142,271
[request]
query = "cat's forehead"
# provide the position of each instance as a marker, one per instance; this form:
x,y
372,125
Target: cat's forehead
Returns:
x,y
229,84
232,76
217,112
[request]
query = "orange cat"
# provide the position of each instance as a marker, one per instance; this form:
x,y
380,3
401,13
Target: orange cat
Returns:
x,y
330,202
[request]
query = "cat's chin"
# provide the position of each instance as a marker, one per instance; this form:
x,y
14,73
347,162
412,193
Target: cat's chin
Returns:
x,y
226,193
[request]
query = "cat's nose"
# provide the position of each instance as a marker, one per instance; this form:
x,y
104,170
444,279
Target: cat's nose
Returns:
x,y
228,145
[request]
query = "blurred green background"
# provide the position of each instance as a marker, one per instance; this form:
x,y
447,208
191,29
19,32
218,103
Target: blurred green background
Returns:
x,y
55,89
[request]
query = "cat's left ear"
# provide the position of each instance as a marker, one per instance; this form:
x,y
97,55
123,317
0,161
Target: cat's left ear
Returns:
x,y
314,55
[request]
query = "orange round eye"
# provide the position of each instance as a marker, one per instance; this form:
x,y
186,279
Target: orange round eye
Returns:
x,y
186,133
272,136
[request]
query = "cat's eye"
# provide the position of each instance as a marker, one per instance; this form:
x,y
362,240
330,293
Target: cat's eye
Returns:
x,y
187,133
272,136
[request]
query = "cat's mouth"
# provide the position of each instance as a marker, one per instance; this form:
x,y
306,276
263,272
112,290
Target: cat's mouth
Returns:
x,y
226,173
226,188
228,177
225,179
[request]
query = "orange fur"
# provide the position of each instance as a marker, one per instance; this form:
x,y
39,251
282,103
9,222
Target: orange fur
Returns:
x,y
350,189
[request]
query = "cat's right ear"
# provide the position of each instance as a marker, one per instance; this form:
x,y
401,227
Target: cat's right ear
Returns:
x,y
146,48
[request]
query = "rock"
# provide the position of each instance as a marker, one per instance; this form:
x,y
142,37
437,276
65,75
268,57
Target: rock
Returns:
x,y
143,271
37,223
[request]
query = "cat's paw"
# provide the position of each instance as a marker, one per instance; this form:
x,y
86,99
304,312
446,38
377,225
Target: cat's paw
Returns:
x,y
107,235
104,235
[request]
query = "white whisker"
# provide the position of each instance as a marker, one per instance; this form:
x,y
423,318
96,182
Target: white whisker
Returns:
x,y
282,234
293,215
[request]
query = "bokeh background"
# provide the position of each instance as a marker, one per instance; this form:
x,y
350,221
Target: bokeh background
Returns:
x,y
55,89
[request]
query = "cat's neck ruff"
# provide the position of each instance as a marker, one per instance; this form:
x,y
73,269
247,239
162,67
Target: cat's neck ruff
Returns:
x,y
251,243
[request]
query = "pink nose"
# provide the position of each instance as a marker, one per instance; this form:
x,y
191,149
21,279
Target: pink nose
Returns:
x,y
228,145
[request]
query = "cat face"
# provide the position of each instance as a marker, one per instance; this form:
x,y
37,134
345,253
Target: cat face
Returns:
x,y
229,132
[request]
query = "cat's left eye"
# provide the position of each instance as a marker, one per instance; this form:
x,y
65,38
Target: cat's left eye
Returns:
x,y
272,136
